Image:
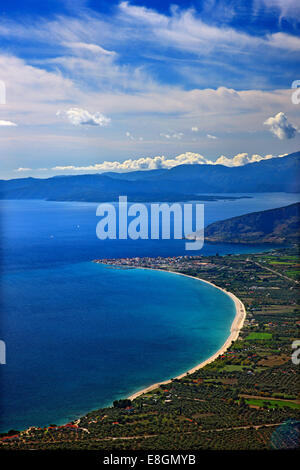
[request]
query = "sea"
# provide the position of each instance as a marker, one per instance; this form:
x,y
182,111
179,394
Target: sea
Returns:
x,y
80,335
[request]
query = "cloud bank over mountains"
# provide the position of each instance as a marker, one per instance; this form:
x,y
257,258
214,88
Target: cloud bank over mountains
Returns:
x,y
162,162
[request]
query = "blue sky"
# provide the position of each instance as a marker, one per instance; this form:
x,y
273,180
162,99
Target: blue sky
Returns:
x,y
93,84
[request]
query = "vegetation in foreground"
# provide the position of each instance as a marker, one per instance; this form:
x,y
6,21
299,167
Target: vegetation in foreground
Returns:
x,y
247,399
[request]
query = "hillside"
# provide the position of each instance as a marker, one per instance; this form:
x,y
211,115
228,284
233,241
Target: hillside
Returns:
x,y
271,226
274,175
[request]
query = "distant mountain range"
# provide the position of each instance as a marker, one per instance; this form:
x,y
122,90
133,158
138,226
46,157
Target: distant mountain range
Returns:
x,y
179,183
271,226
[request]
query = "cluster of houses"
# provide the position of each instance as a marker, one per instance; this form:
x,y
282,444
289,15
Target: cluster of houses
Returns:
x,y
33,429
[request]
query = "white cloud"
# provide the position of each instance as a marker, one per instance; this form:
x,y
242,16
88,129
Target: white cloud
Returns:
x,y
281,127
23,169
94,48
185,30
82,117
7,123
195,129
181,28
210,136
158,162
175,135
42,92
286,8
143,163
131,137
35,90
243,159
39,92
284,41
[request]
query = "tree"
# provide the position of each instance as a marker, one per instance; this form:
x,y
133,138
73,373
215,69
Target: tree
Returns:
x,y
122,403
242,401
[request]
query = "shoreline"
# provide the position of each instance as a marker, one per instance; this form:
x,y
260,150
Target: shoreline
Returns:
x,y
236,326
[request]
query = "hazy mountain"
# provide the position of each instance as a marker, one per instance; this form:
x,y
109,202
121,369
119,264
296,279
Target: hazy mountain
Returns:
x,y
277,174
272,226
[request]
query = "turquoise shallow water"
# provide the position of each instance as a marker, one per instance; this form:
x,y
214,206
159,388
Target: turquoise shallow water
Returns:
x,y
84,334
80,335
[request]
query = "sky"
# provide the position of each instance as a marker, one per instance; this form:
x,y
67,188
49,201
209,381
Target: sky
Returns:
x,y
90,85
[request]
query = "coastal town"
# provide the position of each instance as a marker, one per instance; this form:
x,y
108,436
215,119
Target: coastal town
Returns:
x,y
247,398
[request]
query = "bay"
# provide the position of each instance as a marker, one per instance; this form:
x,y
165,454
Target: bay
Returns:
x,y
80,335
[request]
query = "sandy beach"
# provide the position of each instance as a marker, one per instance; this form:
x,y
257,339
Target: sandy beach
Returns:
x,y
235,328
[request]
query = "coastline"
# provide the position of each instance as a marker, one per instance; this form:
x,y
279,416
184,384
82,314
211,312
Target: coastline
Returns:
x,y
236,326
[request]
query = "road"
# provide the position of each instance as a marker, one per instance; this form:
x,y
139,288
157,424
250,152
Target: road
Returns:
x,y
276,272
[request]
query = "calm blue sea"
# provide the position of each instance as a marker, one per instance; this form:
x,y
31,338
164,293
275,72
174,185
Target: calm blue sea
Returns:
x,y
80,335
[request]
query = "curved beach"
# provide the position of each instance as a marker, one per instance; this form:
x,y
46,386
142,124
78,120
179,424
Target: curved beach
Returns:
x,y
235,328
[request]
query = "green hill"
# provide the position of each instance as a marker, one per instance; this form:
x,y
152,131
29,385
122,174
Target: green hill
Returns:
x,y
271,226
176,184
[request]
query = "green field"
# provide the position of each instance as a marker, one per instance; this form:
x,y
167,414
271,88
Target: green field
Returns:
x,y
232,368
271,403
280,259
256,336
293,274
